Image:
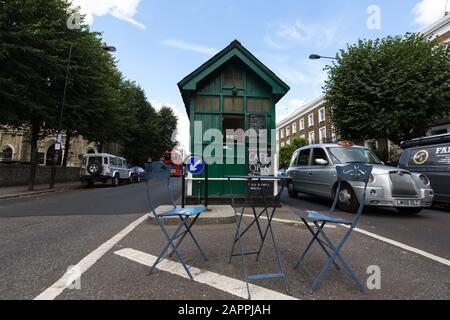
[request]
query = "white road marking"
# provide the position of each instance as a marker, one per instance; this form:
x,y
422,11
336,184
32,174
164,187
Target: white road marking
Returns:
x,y
66,280
403,246
378,237
233,286
288,221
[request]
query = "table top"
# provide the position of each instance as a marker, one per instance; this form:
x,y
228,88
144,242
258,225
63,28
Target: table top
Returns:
x,y
258,178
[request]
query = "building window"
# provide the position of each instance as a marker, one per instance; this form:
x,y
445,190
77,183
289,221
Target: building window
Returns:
x,y
302,124
282,133
311,137
288,142
294,128
258,105
371,144
288,131
233,77
233,105
207,104
322,134
311,120
282,144
322,115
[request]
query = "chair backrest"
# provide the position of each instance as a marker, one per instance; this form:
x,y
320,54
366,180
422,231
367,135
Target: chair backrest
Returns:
x,y
158,171
354,172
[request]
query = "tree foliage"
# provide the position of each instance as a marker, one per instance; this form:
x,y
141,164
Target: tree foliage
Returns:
x,y
100,104
389,88
287,151
148,132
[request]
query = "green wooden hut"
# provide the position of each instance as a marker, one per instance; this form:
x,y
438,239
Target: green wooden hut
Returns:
x,y
232,90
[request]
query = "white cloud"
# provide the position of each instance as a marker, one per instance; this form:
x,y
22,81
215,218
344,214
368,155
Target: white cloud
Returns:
x,y
178,44
283,111
122,9
429,11
318,34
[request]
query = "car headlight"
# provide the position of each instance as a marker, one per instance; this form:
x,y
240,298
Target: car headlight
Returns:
x,y
371,179
424,179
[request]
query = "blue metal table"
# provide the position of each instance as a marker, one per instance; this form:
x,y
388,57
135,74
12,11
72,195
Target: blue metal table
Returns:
x,y
269,206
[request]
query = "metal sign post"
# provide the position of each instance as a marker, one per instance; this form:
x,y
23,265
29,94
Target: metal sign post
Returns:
x,y
196,165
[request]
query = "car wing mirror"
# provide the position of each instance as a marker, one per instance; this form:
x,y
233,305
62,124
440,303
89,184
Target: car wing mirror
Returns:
x,y
321,162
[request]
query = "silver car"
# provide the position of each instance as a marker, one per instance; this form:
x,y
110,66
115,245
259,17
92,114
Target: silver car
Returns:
x,y
313,171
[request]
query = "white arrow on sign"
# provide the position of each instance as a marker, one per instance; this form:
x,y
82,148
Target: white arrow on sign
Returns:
x,y
194,166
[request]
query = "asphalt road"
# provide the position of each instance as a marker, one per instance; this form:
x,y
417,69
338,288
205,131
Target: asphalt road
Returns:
x,y
41,236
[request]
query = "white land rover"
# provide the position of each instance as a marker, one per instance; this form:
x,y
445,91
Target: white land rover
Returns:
x,y
106,168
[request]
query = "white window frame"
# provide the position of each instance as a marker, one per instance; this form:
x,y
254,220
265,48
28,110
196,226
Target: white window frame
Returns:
x,y
323,136
282,133
313,134
302,124
282,144
288,142
322,111
311,120
294,128
288,131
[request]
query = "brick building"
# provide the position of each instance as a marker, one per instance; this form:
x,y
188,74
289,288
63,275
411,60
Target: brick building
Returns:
x,y
311,121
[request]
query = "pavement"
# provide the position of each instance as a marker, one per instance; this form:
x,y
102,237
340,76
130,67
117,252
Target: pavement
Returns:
x,y
22,191
107,235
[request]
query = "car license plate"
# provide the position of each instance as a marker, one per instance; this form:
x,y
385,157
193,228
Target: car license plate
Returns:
x,y
408,203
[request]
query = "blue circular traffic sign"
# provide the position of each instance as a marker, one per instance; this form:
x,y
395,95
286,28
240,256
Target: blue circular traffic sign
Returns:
x,y
195,164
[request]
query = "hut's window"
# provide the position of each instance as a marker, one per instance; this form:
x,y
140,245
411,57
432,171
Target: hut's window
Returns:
x,y
233,105
207,103
233,77
258,105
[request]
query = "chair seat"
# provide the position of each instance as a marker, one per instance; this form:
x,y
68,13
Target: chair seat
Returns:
x,y
315,216
187,212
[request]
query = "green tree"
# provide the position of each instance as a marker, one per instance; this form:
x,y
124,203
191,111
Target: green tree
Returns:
x,y
143,129
287,151
168,122
389,88
34,48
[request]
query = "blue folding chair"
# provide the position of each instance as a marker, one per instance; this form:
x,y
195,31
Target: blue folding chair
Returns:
x,y
345,173
159,171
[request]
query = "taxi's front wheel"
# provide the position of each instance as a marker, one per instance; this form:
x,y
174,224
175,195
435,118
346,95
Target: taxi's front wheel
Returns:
x,y
291,190
347,199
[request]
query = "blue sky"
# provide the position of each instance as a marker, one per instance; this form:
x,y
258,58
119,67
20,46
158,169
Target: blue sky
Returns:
x,y
160,42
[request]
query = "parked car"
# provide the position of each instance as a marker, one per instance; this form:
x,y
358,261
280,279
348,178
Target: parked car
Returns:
x,y
138,174
105,168
313,171
430,156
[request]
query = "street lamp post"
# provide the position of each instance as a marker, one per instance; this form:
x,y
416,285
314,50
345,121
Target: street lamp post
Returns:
x,y
58,146
317,57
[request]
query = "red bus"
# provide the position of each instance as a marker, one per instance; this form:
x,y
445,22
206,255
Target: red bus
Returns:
x,y
177,170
